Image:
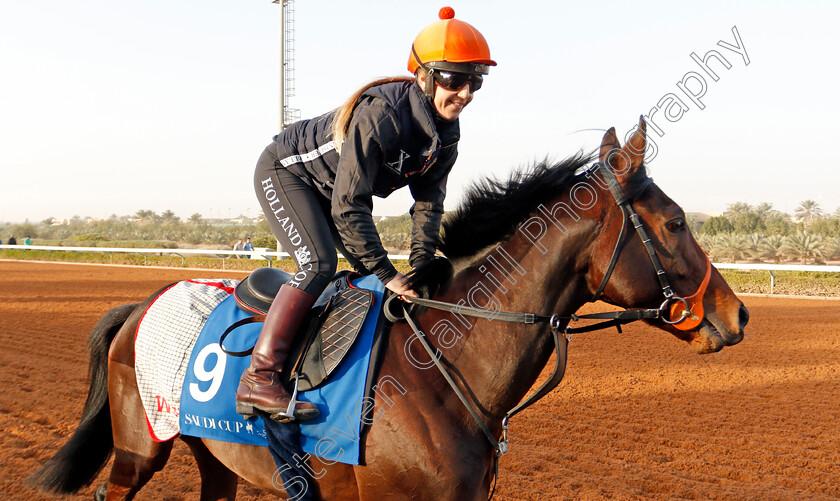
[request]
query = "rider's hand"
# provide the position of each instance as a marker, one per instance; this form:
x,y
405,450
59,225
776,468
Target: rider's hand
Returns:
x,y
398,285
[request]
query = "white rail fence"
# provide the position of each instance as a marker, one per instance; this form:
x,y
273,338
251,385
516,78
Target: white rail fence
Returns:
x,y
263,253
257,253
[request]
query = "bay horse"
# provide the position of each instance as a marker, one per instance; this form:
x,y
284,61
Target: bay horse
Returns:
x,y
548,240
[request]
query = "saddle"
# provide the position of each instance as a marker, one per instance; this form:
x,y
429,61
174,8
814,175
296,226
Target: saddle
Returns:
x,y
328,332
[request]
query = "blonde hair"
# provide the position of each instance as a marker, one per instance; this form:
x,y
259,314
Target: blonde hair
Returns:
x,y
341,122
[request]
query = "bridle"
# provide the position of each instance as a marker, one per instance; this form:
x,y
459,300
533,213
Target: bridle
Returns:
x,y
684,319
683,313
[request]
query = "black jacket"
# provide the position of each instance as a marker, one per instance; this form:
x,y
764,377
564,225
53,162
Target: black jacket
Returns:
x,y
393,141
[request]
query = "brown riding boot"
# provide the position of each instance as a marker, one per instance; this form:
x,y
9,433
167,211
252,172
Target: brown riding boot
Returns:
x,y
260,388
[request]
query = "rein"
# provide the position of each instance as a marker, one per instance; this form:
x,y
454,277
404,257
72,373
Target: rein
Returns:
x,y
674,310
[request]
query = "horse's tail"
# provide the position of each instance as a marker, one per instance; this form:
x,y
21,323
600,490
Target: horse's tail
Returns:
x,y
78,462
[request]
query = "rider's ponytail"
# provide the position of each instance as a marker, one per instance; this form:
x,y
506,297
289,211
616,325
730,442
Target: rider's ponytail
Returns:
x,y
342,117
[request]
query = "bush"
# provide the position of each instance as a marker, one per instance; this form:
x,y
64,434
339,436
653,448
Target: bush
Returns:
x,y
716,225
265,241
89,237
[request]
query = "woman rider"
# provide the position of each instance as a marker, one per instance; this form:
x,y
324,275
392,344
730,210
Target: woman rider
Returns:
x,y
316,180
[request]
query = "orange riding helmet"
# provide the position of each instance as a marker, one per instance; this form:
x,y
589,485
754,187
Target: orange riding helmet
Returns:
x,y
449,45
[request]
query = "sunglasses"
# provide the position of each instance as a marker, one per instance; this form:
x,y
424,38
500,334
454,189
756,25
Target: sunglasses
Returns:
x,y
454,81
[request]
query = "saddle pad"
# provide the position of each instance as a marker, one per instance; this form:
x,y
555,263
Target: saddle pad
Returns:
x,y
335,434
162,345
208,406
212,377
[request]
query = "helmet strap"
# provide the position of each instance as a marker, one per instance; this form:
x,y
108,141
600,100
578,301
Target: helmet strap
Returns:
x,y
430,83
429,89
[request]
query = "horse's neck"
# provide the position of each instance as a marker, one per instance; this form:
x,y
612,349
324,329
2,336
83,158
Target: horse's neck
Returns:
x,y
500,361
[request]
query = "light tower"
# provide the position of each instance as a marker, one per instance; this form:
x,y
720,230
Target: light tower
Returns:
x,y
287,62
287,67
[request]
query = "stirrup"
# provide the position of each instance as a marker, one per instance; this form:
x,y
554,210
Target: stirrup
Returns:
x,y
289,414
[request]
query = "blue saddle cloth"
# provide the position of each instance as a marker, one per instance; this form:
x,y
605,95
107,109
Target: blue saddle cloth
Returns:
x,y
208,407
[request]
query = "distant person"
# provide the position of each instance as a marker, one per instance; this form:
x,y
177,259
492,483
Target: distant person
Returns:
x,y
238,247
27,240
248,247
12,240
316,182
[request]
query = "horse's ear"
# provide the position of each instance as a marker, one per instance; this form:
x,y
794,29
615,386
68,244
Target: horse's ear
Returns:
x,y
637,144
610,142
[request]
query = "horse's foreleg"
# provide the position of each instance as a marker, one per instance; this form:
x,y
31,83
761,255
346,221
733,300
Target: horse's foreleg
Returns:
x,y
217,481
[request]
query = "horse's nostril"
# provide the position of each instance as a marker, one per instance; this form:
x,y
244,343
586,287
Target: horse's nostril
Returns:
x,y
743,316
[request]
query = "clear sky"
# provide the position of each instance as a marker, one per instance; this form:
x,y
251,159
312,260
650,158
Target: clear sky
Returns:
x,y
110,106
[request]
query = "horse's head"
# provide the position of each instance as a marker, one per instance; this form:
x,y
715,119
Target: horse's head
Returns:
x,y
711,316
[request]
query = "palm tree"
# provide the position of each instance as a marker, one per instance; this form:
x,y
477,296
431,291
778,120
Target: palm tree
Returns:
x,y
771,248
706,242
804,246
146,215
764,210
735,210
751,245
832,248
169,216
729,245
807,211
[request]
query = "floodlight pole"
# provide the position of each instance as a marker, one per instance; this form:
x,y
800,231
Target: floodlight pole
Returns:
x,y
282,119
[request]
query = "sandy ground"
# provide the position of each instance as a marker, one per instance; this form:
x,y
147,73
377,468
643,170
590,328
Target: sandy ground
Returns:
x,y
639,416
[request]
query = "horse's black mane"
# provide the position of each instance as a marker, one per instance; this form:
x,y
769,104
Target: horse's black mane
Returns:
x,y
492,208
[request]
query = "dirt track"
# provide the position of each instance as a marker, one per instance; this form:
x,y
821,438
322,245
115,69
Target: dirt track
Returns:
x,y
639,415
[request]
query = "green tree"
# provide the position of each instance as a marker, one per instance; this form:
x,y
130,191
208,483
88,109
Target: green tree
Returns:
x,y
764,210
146,215
808,211
734,210
716,225
395,232
693,224
826,226
169,216
706,242
729,246
748,222
803,246
778,225
832,249
751,246
771,248
25,229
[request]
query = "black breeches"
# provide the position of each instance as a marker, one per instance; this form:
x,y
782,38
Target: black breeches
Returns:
x,y
300,219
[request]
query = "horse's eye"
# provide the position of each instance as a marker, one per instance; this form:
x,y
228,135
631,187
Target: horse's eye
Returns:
x,y
675,225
